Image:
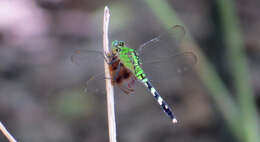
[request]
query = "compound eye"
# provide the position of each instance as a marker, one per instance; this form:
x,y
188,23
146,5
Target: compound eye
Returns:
x,y
115,43
121,43
118,50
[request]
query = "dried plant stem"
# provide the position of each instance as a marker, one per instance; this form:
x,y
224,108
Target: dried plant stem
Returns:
x,y
109,87
6,133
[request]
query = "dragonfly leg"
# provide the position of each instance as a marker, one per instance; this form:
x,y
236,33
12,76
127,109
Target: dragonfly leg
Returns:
x,y
132,82
117,72
128,91
107,58
110,59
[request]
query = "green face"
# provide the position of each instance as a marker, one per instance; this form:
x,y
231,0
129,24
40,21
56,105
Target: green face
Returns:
x,y
116,46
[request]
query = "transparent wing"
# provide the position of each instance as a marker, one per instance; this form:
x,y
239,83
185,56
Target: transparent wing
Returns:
x,y
91,64
86,57
171,37
162,57
96,84
167,67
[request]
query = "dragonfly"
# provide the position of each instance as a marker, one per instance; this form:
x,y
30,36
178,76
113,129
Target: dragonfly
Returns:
x,y
126,64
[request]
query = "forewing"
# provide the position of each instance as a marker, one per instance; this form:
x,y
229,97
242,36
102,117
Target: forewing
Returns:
x,y
162,56
91,63
172,37
86,57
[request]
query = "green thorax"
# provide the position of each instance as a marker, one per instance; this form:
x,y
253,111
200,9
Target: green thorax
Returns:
x,y
129,58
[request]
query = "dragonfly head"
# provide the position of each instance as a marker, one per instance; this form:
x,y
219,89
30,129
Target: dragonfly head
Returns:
x,y
116,46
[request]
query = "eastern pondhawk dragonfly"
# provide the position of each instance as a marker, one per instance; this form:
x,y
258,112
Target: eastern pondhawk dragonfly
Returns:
x,y
126,64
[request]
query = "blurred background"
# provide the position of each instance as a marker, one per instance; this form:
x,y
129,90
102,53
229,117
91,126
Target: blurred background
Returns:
x,y
42,96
